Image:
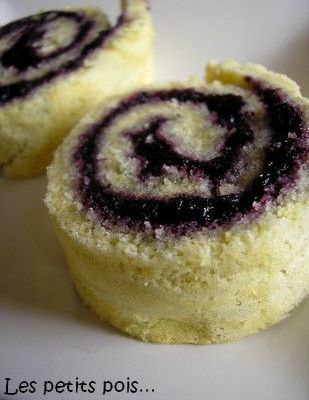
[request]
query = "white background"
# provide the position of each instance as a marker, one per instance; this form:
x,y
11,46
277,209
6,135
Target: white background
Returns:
x,y
46,332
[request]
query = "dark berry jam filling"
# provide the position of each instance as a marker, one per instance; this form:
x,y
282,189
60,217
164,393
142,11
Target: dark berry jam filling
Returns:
x,y
23,54
183,212
157,152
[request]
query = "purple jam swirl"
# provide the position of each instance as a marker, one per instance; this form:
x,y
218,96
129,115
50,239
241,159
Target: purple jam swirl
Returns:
x,y
158,152
184,212
23,55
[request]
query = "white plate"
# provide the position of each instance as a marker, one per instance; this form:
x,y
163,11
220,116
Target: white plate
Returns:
x,y
45,331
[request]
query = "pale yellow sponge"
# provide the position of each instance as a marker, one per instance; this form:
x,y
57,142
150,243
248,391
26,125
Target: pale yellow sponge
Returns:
x,y
55,66
183,209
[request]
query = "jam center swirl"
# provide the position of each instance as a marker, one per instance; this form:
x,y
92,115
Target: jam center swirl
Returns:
x,y
283,157
22,56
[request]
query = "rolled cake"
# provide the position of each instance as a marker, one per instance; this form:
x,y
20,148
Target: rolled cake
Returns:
x,y
55,66
183,210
